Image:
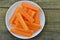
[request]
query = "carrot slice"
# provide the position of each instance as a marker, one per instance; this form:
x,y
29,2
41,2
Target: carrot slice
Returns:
x,y
19,17
31,12
12,18
26,15
21,29
13,30
25,9
17,23
33,26
28,5
36,18
24,18
27,31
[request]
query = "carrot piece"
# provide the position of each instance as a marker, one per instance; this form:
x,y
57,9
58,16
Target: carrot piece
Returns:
x,y
19,17
12,18
26,15
30,19
36,18
28,5
21,29
33,26
25,9
17,23
24,18
27,31
13,30
31,12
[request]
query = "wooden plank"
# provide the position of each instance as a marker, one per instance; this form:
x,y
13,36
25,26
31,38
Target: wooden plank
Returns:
x,y
52,16
44,35
2,18
46,0
52,20
47,36
49,5
6,3
52,4
5,35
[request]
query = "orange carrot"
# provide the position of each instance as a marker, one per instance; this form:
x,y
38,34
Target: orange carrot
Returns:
x,y
21,29
36,18
17,23
19,17
13,30
25,9
31,12
24,18
26,15
12,18
28,5
27,31
33,26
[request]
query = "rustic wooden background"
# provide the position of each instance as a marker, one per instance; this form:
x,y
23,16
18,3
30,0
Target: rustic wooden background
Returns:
x,y
51,30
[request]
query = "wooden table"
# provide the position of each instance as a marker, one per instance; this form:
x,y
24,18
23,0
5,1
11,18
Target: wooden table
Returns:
x,y
51,30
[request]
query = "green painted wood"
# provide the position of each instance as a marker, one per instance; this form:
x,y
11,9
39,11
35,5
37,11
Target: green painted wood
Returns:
x,y
52,16
53,4
47,36
51,30
49,5
46,0
2,18
44,35
52,20
6,3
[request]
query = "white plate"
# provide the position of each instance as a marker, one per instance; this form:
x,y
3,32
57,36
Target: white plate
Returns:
x,y
10,12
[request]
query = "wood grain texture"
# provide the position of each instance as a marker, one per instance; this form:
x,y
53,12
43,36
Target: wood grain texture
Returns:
x,y
54,4
6,3
51,30
2,18
49,5
46,0
44,35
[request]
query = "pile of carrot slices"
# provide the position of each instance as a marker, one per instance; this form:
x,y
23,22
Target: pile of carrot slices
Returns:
x,y
25,19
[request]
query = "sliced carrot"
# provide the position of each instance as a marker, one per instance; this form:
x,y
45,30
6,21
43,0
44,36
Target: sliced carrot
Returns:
x,y
17,23
36,18
31,12
25,9
24,18
26,15
19,17
13,17
28,5
27,31
21,29
11,20
13,30
33,26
